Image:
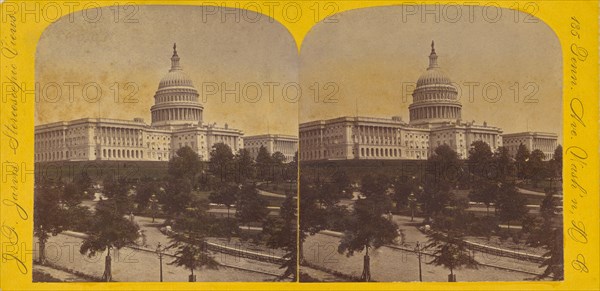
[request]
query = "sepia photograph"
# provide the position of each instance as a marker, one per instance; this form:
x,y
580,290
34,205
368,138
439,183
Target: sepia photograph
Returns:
x,y
435,154
202,143
299,145
165,148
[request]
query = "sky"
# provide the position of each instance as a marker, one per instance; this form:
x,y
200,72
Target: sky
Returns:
x,y
375,56
366,62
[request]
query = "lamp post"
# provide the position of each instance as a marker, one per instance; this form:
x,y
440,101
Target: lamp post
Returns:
x,y
412,200
418,249
153,204
160,251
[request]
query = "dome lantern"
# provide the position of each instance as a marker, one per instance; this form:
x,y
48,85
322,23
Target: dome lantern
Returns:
x,y
432,58
175,59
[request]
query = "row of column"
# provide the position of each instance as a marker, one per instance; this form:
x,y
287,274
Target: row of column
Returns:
x,y
433,96
171,98
490,139
232,141
176,114
109,135
122,154
286,147
545,145
435,112
380,153
50,142
376,134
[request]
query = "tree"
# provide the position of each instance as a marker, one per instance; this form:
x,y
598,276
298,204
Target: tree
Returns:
x,y
521,158
536,170
557,161
342,183
143,192
403,187
511,204
554,260
504,165
227,195
71,194
263,163
278,158
109,229
367,227
277,161
551,237
177,196
189,239
185,164
450,251
281,234
118,191
48,216
449,248
480,158
444,169
486,192
292,169
244,165
251,207
220,160
83,182
312,213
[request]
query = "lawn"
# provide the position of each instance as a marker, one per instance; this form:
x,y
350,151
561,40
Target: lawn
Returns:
x,y
279,188
542,185
271,201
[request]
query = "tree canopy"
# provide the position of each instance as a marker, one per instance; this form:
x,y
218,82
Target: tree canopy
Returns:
x,y
251,207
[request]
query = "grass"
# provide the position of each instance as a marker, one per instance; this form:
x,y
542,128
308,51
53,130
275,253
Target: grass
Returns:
x,y
202,194
272,201
542,185
279,188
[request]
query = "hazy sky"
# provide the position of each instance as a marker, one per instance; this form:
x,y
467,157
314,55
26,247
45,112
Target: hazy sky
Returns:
x,y
211,52
371,53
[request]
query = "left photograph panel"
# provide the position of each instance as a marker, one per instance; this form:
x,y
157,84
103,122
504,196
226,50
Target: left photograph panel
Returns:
x,y
165,147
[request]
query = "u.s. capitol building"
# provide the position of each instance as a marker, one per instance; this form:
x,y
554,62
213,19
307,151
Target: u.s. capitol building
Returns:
x,y
435,118
176,122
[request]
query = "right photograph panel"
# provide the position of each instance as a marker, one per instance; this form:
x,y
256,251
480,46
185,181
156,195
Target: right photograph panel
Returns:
x,y
430,149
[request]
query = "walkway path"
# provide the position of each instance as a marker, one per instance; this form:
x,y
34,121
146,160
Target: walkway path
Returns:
x,y
130,264
394,264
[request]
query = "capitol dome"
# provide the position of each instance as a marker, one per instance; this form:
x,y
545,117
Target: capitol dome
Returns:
x,y
176,100
175,78
435,99
433,76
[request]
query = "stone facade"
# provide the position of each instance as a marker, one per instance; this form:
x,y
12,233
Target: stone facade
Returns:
x,y
176,123
286,144
544,141
434,119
